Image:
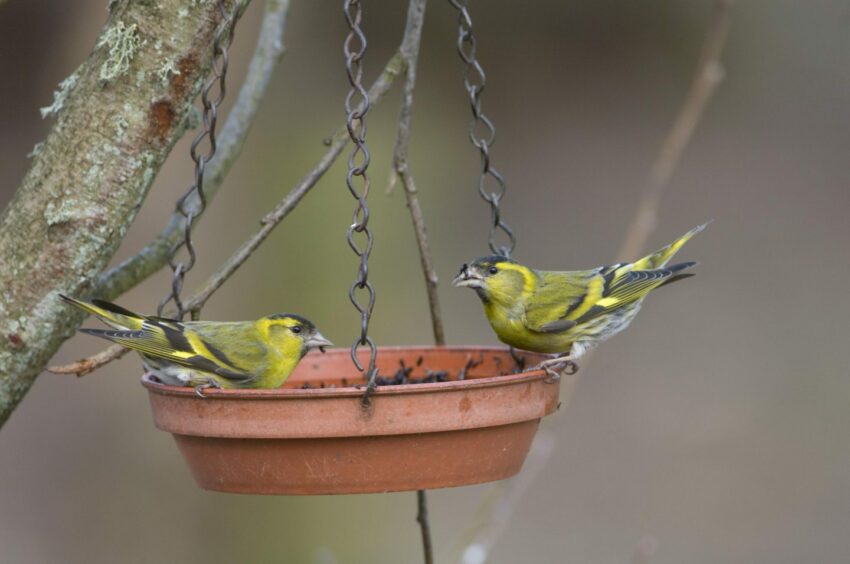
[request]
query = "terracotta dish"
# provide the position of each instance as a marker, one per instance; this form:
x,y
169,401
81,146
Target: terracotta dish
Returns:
x,y
321,440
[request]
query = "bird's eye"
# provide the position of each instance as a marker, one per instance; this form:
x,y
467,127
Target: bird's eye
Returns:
x,y
296,329
493,270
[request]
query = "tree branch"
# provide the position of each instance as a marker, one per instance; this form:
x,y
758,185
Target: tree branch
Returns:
x,y
337,142
496,512
118,116
401,167
89,364
409,51
288,203
267,54
708,77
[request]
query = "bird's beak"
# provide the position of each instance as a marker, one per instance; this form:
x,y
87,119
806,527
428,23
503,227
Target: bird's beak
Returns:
x,y
468,277
318,341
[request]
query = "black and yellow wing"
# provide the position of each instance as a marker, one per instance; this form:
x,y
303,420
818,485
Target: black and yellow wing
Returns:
x,y
173,342
567,299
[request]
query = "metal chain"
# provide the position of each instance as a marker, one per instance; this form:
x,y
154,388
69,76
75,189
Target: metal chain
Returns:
x,y
196,205
474,80
356,108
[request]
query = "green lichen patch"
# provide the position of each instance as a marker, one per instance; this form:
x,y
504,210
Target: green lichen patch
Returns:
x,y
36,150
166,71
123,42
60,96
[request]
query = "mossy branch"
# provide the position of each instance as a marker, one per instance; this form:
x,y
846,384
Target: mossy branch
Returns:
x,y
91,175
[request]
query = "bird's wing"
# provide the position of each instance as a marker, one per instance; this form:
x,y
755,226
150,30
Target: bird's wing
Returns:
x,y
172,341
238,345
558,296
622,286
567,299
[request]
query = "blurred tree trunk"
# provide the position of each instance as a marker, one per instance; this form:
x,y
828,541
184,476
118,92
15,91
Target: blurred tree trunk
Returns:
x,y
117,118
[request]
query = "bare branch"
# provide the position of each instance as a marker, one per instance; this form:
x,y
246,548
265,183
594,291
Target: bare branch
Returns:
x,y
424,526
267,54
90,364
409,50
273,218
337,142
496,511
401,167
708,77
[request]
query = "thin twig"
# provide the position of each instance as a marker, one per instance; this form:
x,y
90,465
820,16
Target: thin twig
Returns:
x,y
424,526
409,50
267,54
338,141
90,364
708,77
272,219
401,167
496,512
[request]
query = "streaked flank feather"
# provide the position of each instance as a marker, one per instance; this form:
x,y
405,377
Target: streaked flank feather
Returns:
x,y
567,313
246,354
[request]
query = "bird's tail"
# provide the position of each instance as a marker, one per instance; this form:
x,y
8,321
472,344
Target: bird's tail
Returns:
x,y
660,257
677,269
111,314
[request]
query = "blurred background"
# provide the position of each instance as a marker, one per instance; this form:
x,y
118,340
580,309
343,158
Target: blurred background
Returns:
x,y
715,429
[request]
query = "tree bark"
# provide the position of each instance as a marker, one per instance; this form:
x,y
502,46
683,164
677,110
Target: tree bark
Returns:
x,y
118,116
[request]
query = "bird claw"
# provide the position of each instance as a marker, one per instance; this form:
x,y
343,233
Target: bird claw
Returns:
x,y
556,367
553,375
210,383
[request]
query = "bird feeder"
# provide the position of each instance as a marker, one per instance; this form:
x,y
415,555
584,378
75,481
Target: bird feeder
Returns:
x,y
313,436
368,419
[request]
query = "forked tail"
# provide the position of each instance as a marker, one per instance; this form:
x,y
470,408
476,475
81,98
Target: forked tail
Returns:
x,y
660,257
111,314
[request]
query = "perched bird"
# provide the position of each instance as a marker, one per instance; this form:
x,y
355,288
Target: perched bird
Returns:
x,y
567,313
210,354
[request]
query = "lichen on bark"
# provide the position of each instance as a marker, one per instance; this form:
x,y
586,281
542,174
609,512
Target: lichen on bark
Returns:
x,y
92,173
122,41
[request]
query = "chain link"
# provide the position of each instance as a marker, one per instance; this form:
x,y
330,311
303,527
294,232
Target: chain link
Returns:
x,y
193,202
357,179
474,81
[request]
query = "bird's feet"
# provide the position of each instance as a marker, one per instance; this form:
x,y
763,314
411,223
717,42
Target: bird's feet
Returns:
x,y
557,366
210,383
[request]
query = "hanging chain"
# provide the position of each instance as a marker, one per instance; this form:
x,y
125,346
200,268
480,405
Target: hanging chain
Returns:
x,y
474,80
356,108
188,206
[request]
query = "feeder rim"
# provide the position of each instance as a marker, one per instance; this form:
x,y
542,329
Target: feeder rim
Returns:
x,y
351,391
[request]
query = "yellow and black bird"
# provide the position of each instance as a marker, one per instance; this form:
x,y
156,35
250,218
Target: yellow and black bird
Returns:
x,y
210,354
567,313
